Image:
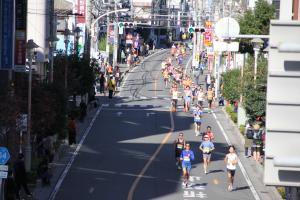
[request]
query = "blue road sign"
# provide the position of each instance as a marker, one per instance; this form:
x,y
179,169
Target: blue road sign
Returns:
x,y
4,155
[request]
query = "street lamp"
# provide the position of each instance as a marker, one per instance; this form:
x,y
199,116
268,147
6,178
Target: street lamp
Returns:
x,y
67,34
257,44
52,43
30,47
77,32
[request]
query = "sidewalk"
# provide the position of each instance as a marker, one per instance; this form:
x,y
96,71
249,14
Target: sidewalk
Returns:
x,y
65,153
254,170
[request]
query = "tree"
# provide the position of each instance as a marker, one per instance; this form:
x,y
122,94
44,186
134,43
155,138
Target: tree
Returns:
x,y
231,81
254,92
257,21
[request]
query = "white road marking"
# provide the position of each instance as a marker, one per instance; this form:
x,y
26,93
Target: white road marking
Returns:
x,y
105,105
118,105
119,114
142,97
149,114
66,170
91,190
254,192
154,97
188,63
126,77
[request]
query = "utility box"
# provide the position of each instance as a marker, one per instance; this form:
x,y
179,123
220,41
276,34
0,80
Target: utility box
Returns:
x,y
282,152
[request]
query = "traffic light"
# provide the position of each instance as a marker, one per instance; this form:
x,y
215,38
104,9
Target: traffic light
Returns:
x,y
196,29
127,24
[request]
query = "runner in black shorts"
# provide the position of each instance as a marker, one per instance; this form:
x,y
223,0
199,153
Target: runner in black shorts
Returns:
x,y
179,146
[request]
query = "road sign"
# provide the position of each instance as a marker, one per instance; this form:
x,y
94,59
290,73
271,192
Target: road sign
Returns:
x,y
3,174
227,28
3,167
4,155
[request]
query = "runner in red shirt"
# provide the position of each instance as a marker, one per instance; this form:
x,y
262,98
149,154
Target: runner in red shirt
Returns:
x,y
209,133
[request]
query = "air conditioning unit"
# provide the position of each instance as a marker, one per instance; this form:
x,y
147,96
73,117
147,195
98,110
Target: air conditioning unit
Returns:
x,y
108,2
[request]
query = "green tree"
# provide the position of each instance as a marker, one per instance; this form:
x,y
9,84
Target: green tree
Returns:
x,y
258,20
254,92
231,81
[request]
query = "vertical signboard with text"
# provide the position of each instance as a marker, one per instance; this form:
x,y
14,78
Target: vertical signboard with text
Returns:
x,y
80,10
20,37
6,52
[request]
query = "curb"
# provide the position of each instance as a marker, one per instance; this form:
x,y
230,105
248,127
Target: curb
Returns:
x,y
260,167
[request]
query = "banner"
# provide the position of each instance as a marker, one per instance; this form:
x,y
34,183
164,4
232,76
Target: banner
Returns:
x,y
6,34
80,9
20,37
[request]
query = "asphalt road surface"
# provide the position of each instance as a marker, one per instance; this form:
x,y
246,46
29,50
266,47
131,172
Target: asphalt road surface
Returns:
x,y
129,153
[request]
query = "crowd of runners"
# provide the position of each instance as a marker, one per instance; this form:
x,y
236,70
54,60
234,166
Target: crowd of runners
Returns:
x,y
194,97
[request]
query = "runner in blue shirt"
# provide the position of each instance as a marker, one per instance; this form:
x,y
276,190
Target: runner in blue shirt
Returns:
x,y
198,119
186,157
206,147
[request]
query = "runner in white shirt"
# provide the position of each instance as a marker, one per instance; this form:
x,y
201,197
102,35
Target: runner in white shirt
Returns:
x,y
231,162
201,97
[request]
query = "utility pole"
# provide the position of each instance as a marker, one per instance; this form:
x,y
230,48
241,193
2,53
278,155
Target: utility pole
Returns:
x,y
116,34
107,37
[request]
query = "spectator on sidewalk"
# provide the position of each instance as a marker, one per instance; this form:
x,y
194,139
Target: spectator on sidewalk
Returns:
x,y
123,57
72,131
257,142
102,81
248,141
10,187
20,176
83,108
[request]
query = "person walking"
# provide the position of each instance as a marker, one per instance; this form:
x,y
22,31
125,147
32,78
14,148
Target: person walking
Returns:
x,y
231,162
186,157
111,85
20,176
72,131
206,147
102,81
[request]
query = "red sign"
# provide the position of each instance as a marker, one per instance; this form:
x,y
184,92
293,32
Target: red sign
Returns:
x,y
80,9
20,48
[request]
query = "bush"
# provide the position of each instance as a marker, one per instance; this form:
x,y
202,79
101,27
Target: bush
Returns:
x,y
233,115
242,129
281,191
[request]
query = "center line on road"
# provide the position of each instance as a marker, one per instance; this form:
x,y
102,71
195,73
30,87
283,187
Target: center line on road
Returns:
x,y
141,174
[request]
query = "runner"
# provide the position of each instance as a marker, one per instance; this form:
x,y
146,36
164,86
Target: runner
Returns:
x,y
187,98
200,97
166,77
174,94
209,133
231,162
186,156
210,97
179,146
198,119
206,147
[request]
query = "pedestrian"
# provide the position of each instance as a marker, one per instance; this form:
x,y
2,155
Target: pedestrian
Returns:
x,y
206,147
248,140
111,85
123,57
102,84
20,176
117,75
186,157
231,162
72,131
10,187
208,81
257,142
83,109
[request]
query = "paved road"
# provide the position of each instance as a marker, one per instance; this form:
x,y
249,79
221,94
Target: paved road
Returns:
x,y
128,153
